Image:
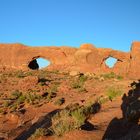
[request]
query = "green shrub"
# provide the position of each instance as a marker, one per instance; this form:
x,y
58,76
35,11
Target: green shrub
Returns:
x,y
21,99
103,100
83,78
61,123
15,95
54,87
79,116
119,77
111,75
20,74
76,85
113,92
7,103
70,118
13,107
50,95
32,98
79,83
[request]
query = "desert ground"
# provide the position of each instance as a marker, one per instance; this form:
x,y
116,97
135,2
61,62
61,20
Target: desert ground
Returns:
x,y
56,105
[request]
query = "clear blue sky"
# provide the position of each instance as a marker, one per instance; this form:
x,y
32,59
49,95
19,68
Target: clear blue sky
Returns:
x,y
104,23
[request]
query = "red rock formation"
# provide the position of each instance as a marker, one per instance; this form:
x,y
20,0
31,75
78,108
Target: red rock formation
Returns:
x,y
87,58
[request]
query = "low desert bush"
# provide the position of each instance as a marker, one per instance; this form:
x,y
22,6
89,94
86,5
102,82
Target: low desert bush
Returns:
x,y
111,75
18,99
70,118
113,92
79,82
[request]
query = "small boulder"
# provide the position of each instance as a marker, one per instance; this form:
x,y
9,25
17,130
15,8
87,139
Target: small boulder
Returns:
x,y
101,79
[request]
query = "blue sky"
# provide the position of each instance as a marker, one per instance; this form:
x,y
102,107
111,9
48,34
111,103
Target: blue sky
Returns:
x,y
104,23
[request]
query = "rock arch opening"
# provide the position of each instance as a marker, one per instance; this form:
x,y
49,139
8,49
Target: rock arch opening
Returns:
x,y
38,63
110,62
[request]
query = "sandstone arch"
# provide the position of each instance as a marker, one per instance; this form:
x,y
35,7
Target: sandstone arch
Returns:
x,y
87,58
33,64
110,62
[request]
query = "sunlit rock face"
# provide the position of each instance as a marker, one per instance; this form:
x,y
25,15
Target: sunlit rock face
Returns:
x,y
86,58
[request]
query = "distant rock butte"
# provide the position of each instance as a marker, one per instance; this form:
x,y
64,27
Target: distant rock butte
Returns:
x,y
86,58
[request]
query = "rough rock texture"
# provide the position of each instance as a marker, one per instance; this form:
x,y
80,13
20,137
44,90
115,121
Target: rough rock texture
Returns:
x,y
87,58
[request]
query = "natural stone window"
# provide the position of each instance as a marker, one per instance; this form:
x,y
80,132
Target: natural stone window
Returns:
x,y
38,63
110,62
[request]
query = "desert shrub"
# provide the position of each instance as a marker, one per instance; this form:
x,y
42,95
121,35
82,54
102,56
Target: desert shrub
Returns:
x,y
82,89
32,98
119,77
38,133
113,92
70,118
18,99
83,78
79,83
61,123
13,107
76,85
20,74
52,91
103,100
79,117
54,87
15,94
21,99
50,95
59,101
7,103
55,71
111,75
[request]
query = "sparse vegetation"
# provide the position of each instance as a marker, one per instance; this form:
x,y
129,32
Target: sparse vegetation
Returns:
x,y
111,75
15,95
103,99
113,92
44,95
70,118
79,82
59,101
18,99
38,133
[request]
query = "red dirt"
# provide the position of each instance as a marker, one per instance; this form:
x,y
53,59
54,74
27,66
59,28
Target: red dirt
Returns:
x,y
18,125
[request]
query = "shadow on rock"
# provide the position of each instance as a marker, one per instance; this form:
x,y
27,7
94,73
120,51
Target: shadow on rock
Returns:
x,y
127,128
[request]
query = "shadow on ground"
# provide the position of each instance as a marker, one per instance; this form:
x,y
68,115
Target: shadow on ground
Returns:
x,y
42,122
128,127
